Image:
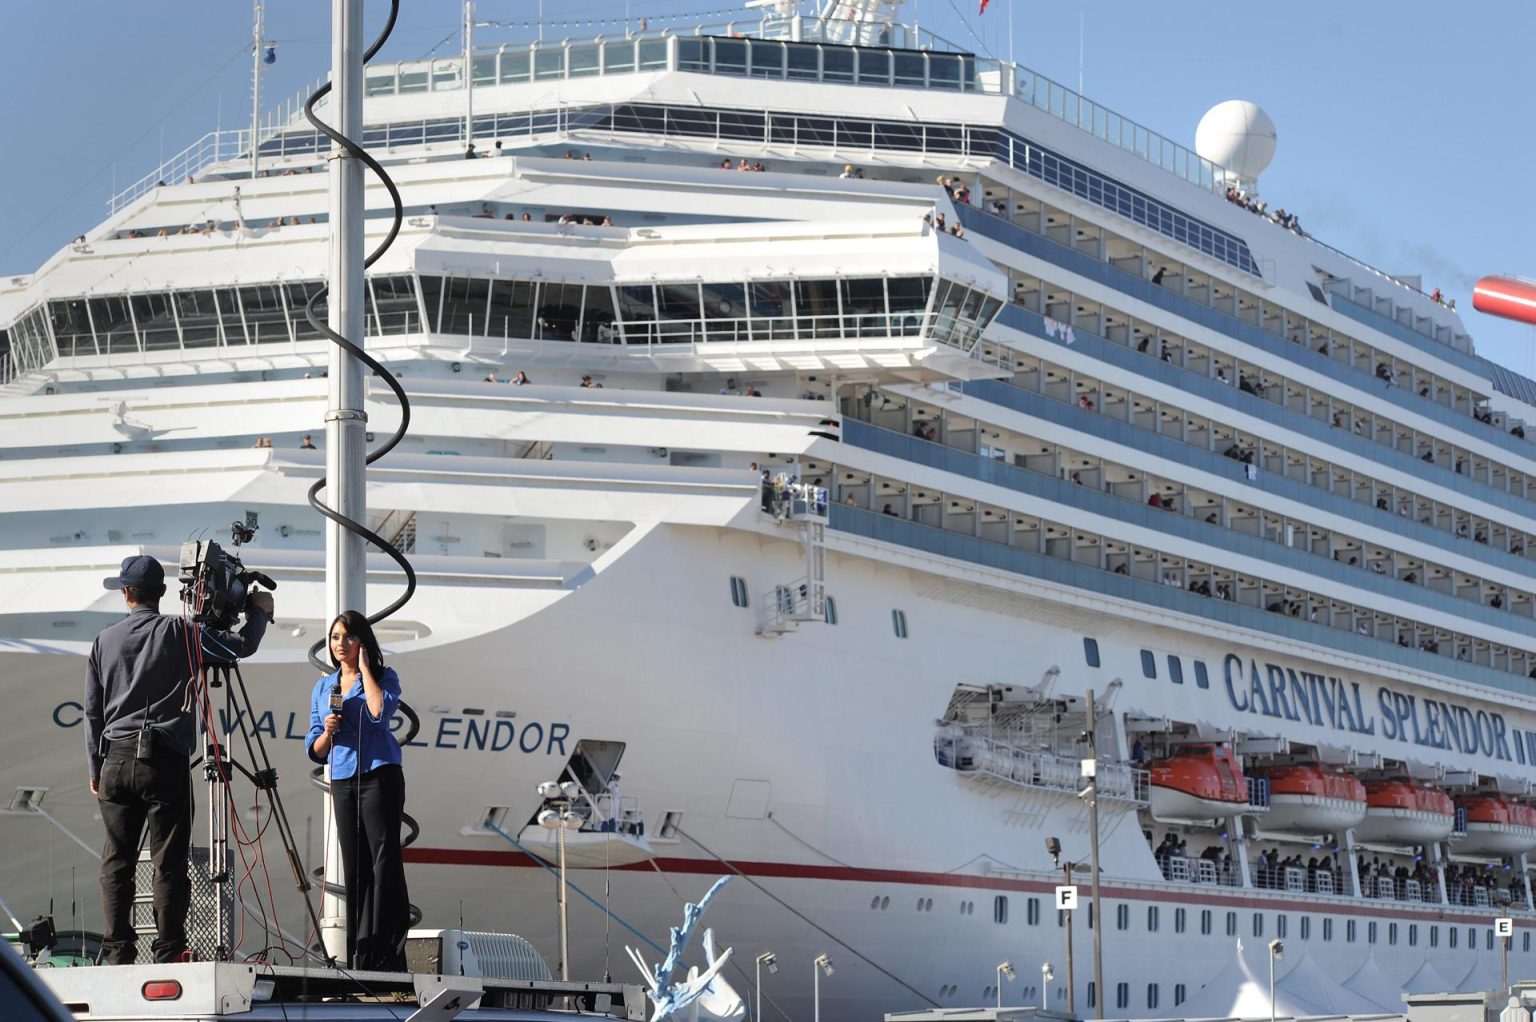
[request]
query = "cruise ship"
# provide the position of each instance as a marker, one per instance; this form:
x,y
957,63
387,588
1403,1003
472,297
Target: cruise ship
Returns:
x,y
811,421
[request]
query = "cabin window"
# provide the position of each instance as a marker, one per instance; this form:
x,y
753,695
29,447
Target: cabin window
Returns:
x,y
899,623
1090,916
1093,994
1178,920
1349,931
1258,924
738,591
1152,995
1471,938
1175,670
1148,664
830,614
1452,934
1091,652
1490,940
1413,934
1525,941
1122,917
1205,922
1178,994
1202,679
1392,933
1280,925
1032,911
1327,929
1231,924
1434,936
1122,995
1152,920
1370,932
1000,909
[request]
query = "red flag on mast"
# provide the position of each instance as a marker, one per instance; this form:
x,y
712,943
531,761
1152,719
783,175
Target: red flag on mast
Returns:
x,y
983,9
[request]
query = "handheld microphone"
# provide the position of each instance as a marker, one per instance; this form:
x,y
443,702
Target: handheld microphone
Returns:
x,y
336,697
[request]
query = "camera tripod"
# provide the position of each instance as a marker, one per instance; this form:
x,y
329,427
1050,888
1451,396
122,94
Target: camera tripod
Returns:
x,y
217,764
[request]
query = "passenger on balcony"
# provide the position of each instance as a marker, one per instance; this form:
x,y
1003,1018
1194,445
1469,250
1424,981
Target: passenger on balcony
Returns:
x,y
521,379
888,510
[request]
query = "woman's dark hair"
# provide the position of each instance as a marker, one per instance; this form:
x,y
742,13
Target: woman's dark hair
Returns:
x,y
358,626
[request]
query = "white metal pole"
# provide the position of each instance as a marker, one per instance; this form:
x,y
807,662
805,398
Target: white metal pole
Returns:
x,y
757,1014
816,982
256,33
345,422
565,932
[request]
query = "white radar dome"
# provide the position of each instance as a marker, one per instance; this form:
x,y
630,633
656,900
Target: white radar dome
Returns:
x,y
1237,135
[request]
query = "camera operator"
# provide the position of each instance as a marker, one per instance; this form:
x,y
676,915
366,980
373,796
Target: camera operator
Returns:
x,y
140,734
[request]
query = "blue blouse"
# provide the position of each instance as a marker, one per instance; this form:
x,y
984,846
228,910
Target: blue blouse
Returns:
x,y
361,737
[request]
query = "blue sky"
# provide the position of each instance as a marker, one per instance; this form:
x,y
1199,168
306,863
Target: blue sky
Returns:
x,y
1403,136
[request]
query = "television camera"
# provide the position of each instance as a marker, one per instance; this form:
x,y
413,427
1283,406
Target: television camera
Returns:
x,y
215,586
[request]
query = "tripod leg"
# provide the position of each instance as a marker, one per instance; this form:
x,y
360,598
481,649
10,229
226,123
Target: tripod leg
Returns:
x,y
266,778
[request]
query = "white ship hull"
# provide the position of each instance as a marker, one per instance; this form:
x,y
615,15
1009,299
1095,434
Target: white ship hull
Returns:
x,y
786,778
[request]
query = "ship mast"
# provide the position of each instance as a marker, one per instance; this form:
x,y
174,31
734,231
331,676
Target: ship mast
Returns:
x,y
256,54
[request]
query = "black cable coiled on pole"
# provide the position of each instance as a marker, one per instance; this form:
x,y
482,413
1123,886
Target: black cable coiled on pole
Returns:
x,y
358,528
356,351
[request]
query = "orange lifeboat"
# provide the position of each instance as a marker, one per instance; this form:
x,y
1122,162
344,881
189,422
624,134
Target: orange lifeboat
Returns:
x,y
1198,782
1496,826
1307,799
1404,813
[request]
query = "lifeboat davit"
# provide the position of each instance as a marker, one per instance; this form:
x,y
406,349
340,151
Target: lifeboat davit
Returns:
x,y
1198,782
1306,799
1404,813
1509,297
1496,826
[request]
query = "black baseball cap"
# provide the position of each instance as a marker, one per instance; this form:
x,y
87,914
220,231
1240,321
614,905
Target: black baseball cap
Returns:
x,y
139,571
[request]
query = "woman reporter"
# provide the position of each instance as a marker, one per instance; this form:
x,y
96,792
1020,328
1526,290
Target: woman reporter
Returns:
x,y
367,790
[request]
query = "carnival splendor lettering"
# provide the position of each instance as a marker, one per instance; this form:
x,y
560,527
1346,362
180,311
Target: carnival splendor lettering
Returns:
x,y
1271,690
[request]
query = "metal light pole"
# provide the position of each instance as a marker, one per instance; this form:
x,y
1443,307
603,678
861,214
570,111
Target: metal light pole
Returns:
x,y
558,817
1004,969
1053,847
345,420
822,964
1276,953
1046,975
1093,840
771,960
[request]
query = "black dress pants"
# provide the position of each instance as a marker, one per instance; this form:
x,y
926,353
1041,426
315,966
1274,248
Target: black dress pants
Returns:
x,y
133,793
369,811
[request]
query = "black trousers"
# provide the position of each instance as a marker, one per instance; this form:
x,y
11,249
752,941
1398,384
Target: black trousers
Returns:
x,y
369,811
133,793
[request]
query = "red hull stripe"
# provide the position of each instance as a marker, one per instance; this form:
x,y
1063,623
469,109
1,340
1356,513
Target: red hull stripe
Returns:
x,y
1196,896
